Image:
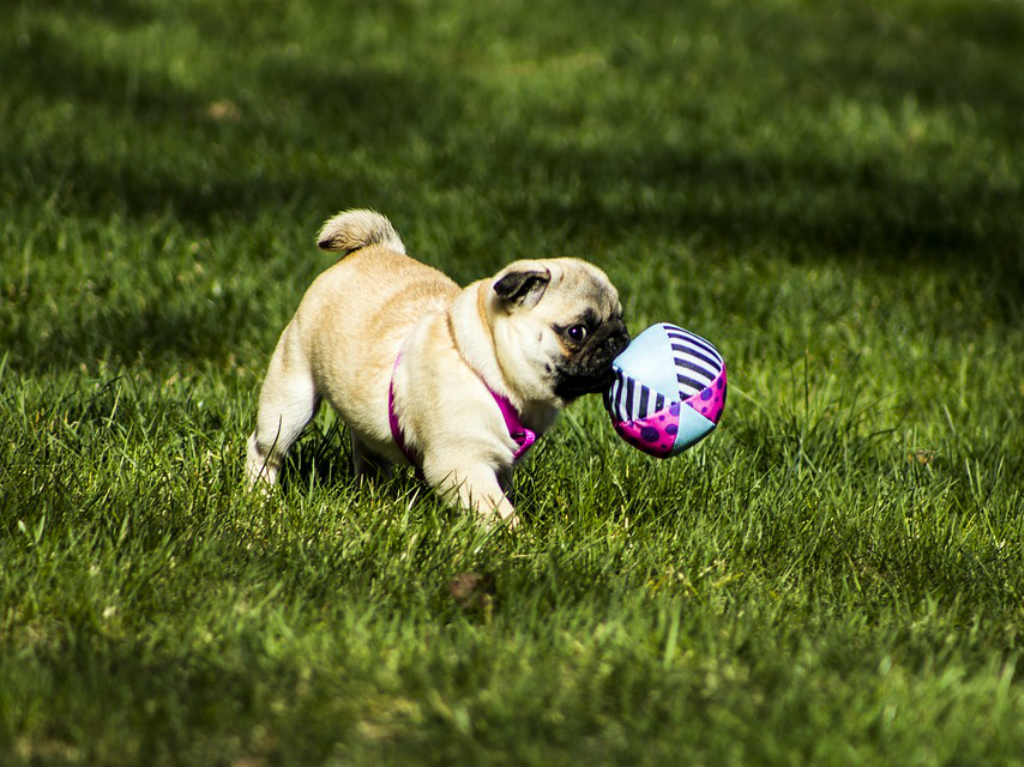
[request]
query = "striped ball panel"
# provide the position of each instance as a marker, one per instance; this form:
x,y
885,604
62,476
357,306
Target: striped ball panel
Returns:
x,y
697,362
631,401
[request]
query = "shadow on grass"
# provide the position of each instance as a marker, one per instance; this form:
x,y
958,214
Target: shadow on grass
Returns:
x,y
320,457
736,199
803,205
225,159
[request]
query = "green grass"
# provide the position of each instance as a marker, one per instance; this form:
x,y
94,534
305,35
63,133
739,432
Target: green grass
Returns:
x,y
832,192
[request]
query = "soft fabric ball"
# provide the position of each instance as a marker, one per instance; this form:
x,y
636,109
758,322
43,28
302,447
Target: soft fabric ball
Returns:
x,y
669,390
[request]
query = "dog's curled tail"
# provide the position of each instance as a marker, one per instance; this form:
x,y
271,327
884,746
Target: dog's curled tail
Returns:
x,y
351,230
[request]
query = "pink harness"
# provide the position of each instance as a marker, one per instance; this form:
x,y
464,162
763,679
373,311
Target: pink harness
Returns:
x,y
522,436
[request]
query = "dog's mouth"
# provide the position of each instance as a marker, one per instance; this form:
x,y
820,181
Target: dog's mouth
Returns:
x,y
570,387
589,371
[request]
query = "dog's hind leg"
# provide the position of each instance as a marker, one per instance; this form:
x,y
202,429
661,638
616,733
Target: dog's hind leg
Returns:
x,y
288,401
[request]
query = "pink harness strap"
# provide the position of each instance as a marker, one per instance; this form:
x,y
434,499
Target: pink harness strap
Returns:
x,y
516,429
522,436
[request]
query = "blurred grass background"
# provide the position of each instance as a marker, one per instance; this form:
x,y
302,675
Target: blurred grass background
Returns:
x,y
829,191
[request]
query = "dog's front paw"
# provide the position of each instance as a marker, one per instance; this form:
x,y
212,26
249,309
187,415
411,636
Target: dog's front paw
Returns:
x,y
495,519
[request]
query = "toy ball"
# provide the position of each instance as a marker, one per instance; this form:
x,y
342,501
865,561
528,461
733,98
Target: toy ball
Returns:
x,y
669,390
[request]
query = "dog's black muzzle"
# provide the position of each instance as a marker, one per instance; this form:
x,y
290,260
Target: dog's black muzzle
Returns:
x,y
589,371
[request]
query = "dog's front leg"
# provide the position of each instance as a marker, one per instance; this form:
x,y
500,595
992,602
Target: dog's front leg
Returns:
x,y
474,487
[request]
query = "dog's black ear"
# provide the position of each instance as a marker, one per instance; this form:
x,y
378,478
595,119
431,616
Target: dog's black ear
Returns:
x,y
523,286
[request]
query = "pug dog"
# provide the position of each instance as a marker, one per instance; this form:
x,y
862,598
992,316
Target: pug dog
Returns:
x,y
456,381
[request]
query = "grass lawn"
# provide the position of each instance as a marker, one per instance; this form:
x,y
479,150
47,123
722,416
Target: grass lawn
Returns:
x,y
831,192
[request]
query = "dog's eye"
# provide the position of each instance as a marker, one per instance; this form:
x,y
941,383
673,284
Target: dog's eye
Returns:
x,y
577,333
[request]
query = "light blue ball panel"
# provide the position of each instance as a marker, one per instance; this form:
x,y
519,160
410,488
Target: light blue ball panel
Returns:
x,y
645,360
693,427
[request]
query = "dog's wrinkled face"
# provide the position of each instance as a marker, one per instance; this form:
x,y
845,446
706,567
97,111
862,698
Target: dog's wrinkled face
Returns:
x,y
557,327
